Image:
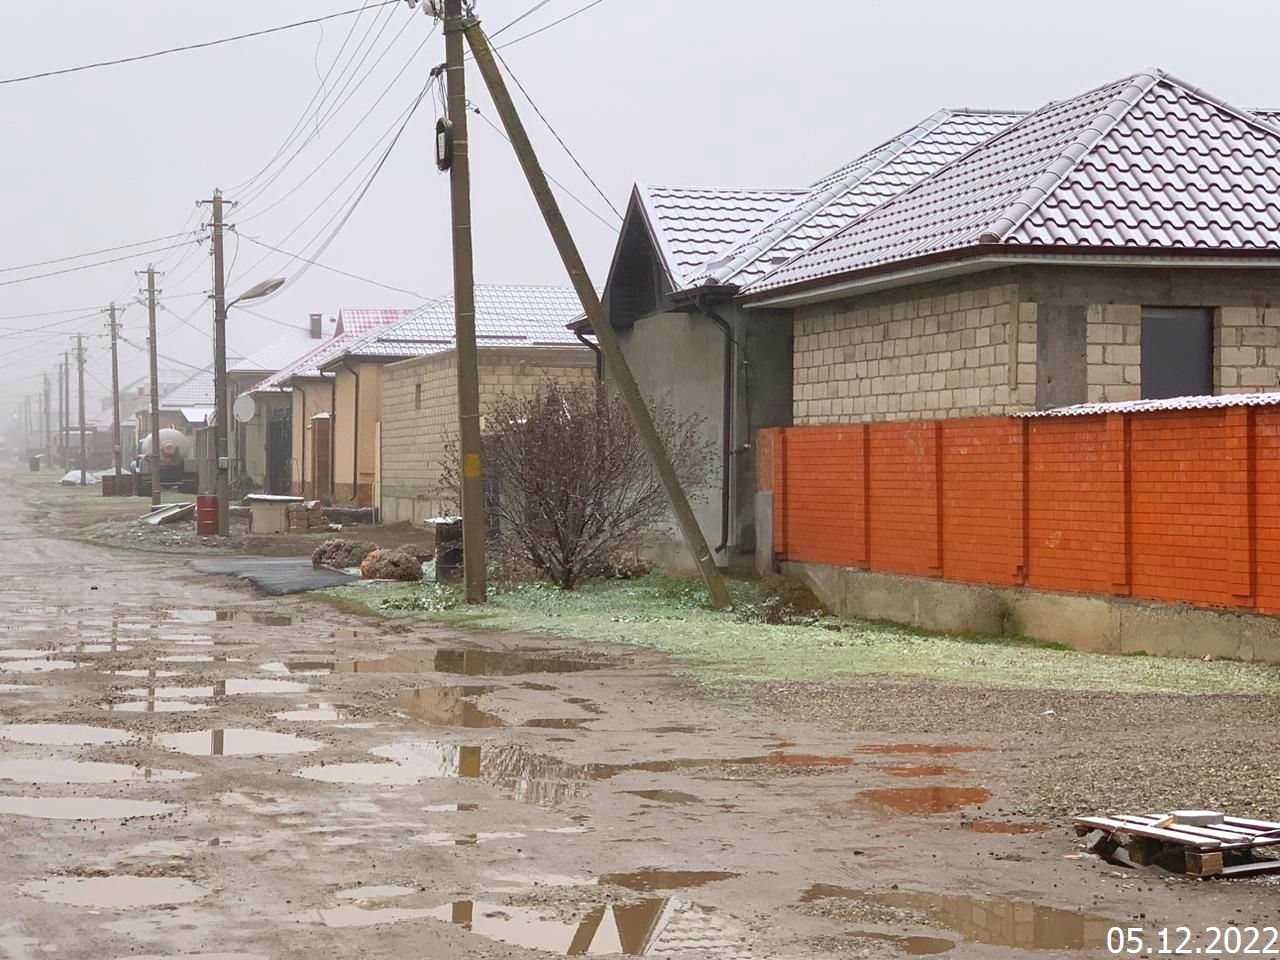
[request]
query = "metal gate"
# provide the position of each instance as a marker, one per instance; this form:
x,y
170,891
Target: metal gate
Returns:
x,y
279,450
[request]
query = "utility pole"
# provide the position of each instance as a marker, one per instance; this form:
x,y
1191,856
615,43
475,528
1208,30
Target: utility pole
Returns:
x,y
66,406
62,421
221,483
115,394
464,306
155,387
48,425
619,372
84,454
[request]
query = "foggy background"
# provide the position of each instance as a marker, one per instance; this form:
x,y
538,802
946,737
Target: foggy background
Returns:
x,y
701,92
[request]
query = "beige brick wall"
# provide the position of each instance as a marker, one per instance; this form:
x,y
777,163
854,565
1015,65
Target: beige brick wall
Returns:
x,y
1246,350
414,436
1113,353
969,352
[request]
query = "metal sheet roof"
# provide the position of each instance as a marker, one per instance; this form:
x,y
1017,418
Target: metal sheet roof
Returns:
x,y
196,391
506,315
692,225
1157,406
843,195
277,354
1145,162
351,327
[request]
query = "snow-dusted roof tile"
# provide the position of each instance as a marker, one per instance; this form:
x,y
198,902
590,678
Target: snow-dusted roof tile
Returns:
x,y
1144,162
692,225
1159,406
506,315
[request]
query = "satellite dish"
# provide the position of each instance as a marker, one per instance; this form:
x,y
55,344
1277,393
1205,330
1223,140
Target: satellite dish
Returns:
x,y
244,409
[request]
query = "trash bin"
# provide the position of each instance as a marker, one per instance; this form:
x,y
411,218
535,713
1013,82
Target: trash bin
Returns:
x,y
206,516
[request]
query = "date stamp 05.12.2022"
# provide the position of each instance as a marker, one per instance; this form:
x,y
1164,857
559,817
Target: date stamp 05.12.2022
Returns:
x,y
1226,941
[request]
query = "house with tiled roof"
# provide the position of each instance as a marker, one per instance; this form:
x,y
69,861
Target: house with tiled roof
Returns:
x,y
1117,245
261,445
682,256
310,391
395,402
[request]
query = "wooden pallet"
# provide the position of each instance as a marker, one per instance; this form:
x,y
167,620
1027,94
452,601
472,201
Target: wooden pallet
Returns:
x,y
1225,849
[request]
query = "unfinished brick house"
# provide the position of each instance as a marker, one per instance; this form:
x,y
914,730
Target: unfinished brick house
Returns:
x,y
1119,245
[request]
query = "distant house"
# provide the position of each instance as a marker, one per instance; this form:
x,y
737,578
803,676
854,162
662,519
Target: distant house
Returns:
x,y
1121,244
262,447
187,406
311,393
395,389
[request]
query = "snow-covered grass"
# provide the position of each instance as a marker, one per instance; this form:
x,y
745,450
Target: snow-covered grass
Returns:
x,y
670,614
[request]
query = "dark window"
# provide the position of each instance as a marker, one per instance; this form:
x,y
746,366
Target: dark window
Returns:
x,y
417,396
1177,352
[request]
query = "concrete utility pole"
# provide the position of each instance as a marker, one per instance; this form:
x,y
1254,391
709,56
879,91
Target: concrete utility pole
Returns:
x,y
619,372
62,421
48,425
222,482
115,393
66,405
464,305
155,386
84,455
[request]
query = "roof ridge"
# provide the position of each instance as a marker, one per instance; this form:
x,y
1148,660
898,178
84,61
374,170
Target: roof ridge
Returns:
x,y
986,111
693,186
809,206
1244,113
1035,193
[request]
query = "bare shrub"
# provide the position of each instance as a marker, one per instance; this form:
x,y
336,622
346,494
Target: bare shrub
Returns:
x,y
568,481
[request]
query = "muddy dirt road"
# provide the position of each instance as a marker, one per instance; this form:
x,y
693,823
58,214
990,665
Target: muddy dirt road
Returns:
x,y
188,770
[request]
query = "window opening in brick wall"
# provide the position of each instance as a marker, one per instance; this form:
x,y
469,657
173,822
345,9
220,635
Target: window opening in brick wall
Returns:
x,y
417,396
1177,352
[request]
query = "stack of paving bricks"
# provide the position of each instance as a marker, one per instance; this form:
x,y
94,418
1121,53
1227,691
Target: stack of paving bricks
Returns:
x,y
304,517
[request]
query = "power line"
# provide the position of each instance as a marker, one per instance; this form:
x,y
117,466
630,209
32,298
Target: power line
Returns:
x,y
324,266
569,193
341,143
528,13
553,23
559,139
322,119
91,253
86,266
190,46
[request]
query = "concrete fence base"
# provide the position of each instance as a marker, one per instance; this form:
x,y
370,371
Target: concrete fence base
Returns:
x,y
1088,623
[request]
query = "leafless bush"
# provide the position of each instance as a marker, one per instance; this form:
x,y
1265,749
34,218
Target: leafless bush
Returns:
x,y
568,481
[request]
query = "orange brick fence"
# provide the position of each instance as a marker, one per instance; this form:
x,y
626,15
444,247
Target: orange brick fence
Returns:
x,y
1179,505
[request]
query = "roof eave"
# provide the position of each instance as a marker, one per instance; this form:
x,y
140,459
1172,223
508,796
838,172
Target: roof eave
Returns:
x,y
981,257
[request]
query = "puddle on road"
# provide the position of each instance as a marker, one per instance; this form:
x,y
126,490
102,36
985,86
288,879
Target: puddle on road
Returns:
x,y
559,723
676,728
50,770
451,807
664,796
95,648
403,764
632,929
375,893
911,946
313,713
471,663
153,705
220,688
654,881
235,742
306,668
927,749
586,704
36,666
197,658
533,685
260,617
926,800
118,893
351,915
24,654
18,687
1005,826
152,674
82,808
996,923
464,839
448,707
921,770
62,734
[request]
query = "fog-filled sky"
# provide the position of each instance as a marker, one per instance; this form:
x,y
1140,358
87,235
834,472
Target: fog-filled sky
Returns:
x,y
707,92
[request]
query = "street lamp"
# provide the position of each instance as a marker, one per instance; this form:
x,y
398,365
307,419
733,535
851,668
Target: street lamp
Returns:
x,y
223,482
